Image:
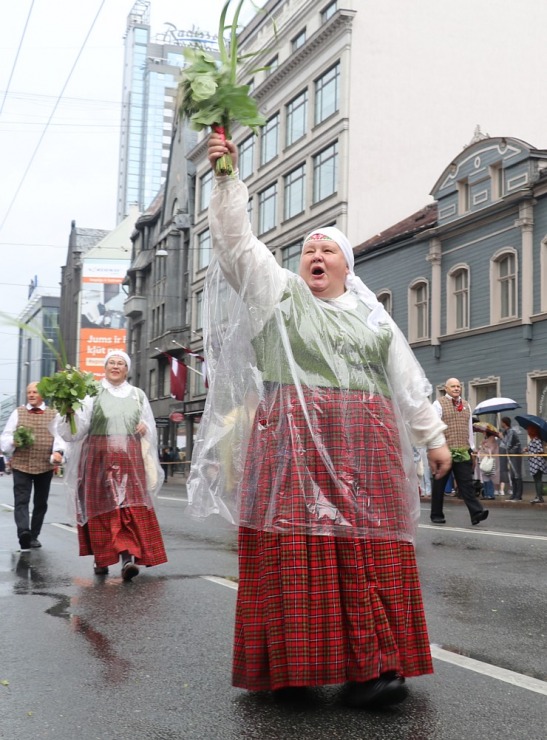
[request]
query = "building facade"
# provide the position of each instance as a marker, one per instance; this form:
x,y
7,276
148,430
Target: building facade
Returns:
x,y
80,241
158,303
38,342
151,71
472,298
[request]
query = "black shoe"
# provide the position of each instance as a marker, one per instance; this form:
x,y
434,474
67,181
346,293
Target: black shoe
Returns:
x,y
438,520
291,695
480,517
25,538
35,542
100,570
384,691
129,570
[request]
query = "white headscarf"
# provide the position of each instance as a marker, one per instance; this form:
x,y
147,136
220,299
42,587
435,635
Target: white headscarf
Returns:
x,y
118,353
354,284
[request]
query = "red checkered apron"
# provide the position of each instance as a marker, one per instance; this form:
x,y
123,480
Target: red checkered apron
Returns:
x,y
111,528
317,609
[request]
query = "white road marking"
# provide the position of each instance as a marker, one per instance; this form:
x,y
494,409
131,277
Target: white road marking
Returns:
x,y
220,581
173,498
501,674
462,661
517,535
66,527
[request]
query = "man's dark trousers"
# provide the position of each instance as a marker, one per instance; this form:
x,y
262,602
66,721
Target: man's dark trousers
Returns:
x,y
463,474
22,489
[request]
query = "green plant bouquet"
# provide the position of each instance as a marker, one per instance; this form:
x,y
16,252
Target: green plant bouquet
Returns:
x,y
66,389
23,437
209,94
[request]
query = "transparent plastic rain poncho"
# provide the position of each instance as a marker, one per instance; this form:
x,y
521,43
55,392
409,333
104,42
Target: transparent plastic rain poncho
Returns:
x,y
108,465
313,406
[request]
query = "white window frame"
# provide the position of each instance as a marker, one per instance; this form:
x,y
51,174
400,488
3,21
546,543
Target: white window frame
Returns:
x,y
498,285
198,311
415,332
320,86
454,296
246,157
295,191
327,157
298,40
290,257
532,400
328,11
205,188
385,296
475,398
543,274
203,250
296,111
267,199
269,139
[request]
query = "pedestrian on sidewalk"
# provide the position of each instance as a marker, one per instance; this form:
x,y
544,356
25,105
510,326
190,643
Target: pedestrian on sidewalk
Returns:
x,y
327,493
488,451
113,473
537,464
456,414
35,453
510,443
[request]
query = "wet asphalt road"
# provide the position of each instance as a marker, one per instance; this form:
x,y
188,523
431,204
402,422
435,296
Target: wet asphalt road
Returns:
x,y
97,658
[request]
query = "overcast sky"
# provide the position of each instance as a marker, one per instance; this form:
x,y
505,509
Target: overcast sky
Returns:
x,y
440,68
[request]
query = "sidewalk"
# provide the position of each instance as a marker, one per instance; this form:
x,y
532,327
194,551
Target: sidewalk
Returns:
x,y
527,495
176,486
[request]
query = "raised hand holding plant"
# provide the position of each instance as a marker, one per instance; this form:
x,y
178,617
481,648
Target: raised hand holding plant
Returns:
x,y
209,94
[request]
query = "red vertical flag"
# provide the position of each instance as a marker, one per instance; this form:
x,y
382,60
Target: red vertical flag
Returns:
x,y
178,378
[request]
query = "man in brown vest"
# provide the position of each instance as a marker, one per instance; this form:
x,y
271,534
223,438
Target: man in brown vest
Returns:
x,y
32,465
456,414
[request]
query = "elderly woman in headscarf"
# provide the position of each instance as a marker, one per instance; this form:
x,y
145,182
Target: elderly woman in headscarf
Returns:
x,y
113,473
327,497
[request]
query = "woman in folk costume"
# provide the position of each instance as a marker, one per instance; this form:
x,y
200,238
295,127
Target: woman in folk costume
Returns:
x,y
114,474
327,497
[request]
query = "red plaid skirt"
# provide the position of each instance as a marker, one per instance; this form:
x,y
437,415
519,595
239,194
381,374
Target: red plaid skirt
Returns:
x,y
312,608
107,466
315,610
332,467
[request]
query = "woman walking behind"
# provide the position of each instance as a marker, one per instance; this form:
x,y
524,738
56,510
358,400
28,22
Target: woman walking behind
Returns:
x,y
113,473
538,465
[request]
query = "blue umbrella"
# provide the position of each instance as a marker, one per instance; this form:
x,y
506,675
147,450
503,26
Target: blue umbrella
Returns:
x,y
527,420
494,405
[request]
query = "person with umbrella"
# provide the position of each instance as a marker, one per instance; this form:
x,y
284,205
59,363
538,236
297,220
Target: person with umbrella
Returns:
x,y
536,461
456,414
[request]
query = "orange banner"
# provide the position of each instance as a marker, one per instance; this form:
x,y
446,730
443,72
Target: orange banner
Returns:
x,y
94,344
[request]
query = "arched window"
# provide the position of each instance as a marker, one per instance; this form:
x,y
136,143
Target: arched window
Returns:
x,y
418,311
457,315
386,299
504,286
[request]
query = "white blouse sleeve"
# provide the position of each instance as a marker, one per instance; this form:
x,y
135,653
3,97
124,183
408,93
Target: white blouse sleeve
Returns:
x,y
247,264
411,389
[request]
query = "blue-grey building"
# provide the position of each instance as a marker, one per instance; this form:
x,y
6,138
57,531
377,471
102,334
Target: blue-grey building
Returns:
x,y
466,277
